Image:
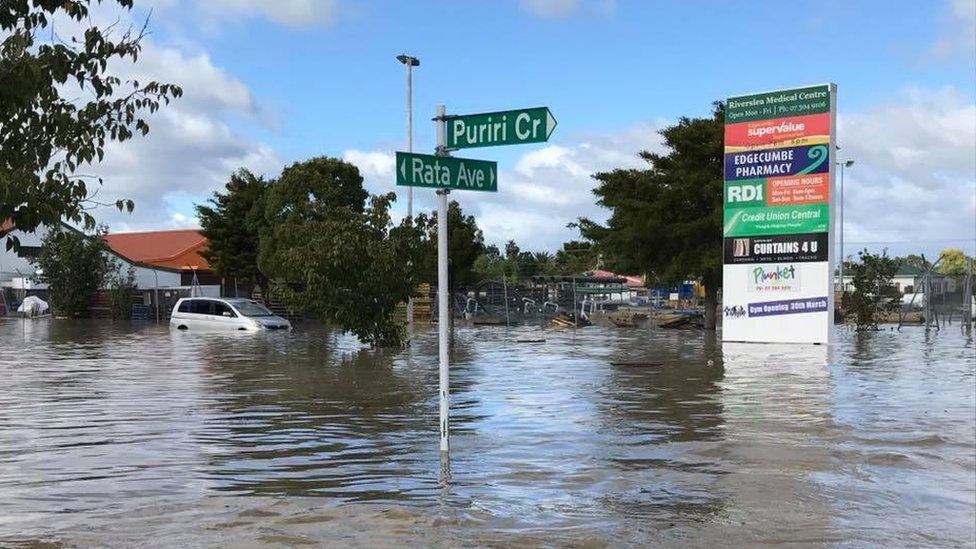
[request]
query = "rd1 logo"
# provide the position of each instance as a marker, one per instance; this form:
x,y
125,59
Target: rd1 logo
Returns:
x,y
745,193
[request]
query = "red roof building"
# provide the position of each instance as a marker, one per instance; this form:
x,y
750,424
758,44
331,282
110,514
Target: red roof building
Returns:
x,y
633,282
178,249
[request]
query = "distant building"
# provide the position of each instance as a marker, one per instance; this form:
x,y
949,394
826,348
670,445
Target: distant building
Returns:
x,y
909,281
176,249
163,264
18,272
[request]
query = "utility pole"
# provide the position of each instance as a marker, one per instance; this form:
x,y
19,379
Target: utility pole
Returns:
x,y
410,62
846,164
967,295
443,309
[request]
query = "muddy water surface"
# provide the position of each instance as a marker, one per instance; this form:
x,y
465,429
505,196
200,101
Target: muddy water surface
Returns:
x,y
132,435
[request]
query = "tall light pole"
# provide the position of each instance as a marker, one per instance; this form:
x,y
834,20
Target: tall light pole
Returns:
x,y
845,164
410,62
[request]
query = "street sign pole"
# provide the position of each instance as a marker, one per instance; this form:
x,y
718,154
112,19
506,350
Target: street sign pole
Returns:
x,y
443,172
443,311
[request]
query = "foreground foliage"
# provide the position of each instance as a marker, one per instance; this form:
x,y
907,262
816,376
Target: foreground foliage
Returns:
x,y
121,287
330,255
74,265
59,106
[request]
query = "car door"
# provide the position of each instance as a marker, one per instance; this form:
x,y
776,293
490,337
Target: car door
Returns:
x,y
223,316
202,310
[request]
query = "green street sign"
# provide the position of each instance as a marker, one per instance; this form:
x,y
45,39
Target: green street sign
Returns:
x,y
445,172
500,128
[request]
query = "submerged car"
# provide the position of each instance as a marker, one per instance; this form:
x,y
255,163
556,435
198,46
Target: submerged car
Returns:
x,y
212,313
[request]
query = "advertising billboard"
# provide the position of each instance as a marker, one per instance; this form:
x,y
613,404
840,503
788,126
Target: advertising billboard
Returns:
x,y
779,181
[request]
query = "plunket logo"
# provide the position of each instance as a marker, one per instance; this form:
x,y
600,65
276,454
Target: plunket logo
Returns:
x,y
760,274
774,278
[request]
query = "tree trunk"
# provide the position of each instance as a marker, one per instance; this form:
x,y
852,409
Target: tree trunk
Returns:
x,y
711,303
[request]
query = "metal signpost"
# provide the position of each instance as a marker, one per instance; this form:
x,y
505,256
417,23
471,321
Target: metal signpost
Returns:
x,y
779,195
442,172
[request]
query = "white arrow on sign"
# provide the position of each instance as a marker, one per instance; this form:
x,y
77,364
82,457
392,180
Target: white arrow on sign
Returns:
x,y
403,168
550,123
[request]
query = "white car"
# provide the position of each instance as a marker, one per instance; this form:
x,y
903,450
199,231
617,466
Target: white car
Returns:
x,y
212,313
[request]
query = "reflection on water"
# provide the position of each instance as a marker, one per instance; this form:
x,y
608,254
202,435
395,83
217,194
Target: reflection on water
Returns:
x,y
113,434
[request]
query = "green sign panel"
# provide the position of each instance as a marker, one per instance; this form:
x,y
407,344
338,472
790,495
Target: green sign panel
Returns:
x,y
782,103
762,221
500,128
445,172
744,193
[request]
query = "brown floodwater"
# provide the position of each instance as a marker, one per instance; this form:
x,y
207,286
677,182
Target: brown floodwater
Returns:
x,y
119,435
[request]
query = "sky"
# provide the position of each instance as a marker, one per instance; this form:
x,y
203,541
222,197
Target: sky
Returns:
x,y
271,83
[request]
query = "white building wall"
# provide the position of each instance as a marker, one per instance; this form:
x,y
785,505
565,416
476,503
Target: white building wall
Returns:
x,y
146,280
12,266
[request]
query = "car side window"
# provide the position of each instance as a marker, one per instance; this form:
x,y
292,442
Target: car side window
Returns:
x,y
185,307
202,307
221,308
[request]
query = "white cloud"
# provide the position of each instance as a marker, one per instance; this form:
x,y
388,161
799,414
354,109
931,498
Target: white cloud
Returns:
x,y
293,13
376,168
959,36
191,148
546,189
564,9
914,177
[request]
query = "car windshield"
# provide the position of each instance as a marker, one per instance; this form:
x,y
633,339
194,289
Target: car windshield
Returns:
x,y
251,308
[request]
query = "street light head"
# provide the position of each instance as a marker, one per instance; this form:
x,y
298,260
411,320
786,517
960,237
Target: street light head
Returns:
x,y
407,60
849,163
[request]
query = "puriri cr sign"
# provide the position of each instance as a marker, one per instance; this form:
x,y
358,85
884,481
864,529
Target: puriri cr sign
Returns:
x,y
778,212
490,129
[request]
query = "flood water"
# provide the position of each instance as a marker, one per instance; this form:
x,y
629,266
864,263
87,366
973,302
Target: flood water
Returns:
x,y
132,435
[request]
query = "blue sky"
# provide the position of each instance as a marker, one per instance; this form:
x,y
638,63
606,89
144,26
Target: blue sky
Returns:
x,y
271,83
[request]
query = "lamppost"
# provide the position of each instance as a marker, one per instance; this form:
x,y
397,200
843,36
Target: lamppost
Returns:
x,y
410,63
844,164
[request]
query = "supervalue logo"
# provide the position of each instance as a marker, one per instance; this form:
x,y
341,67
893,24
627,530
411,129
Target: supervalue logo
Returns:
x,y
774,278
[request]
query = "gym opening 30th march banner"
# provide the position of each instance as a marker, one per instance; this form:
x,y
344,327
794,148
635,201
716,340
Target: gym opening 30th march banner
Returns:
x,y
777,282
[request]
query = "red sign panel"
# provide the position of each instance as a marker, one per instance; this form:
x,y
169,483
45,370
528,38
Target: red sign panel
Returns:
x,y
792,131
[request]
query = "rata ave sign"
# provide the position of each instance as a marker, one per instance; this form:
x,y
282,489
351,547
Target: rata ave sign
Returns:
x,y
445,172
500,128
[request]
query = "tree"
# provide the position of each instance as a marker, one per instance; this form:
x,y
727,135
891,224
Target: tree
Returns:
x,y
913,260
59,106
954,262
545,263
233,222
329,255
465,243
490,264
666,220
874,294
575,257
74,266
120,289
